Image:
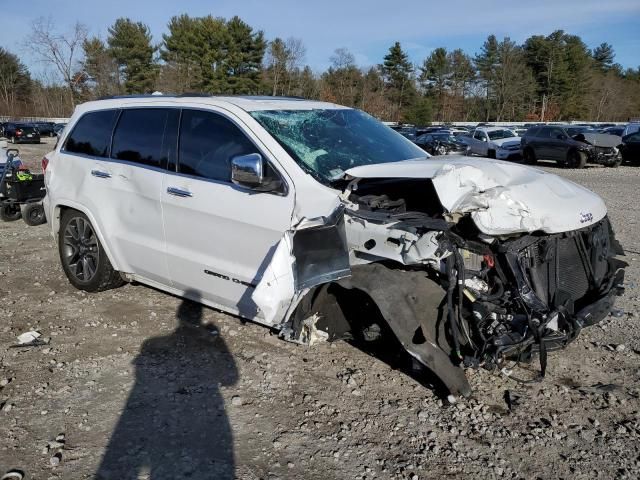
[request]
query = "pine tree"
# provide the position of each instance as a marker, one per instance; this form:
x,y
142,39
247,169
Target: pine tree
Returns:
x,y
486,63
15,82
397,71
130,45
100,69
603,56
243,59
435,78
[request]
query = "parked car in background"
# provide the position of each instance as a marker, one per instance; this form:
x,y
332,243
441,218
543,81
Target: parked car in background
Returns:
x,y
320,222
441,143
617,131
46,129
631,128
570,146
21,133
631,148
495,142
58,127
406,131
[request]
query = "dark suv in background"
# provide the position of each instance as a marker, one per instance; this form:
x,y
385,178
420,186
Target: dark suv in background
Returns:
x,y
21,133
45,128
571,146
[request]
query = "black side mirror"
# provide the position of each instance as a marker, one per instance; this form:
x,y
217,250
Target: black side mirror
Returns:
x,y
561,137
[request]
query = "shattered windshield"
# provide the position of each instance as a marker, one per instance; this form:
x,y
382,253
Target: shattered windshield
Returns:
x,y
326,143
498,134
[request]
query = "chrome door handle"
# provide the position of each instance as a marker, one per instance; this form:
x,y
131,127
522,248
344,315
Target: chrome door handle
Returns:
x,y
178,192
100,174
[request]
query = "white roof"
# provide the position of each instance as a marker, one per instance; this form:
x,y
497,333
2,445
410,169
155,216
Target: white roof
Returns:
x,y
492,129
247,103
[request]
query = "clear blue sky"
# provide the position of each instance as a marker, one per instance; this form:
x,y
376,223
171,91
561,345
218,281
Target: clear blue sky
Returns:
x,y
366,27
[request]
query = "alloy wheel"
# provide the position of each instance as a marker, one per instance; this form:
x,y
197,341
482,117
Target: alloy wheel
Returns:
x,y
80,249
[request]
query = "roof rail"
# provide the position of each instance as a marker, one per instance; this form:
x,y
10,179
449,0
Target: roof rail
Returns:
x,y
200,94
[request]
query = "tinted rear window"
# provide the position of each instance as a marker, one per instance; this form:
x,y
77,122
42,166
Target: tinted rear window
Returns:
x,y
92,134
146,136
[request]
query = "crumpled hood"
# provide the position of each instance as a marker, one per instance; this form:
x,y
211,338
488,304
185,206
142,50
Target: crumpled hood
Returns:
x,y
602,139
506,142
501,197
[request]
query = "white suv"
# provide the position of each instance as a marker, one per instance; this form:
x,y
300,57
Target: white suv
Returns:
x,y
319,221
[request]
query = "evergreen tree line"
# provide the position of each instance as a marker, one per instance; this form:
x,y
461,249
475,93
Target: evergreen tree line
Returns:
x,y
547,78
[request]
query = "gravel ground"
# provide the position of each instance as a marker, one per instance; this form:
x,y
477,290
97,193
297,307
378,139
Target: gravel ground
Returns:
x,y
134,379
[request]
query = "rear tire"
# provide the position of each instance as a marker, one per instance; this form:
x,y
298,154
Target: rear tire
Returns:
x,y
82,256
10,213
530,156
33,214
576,159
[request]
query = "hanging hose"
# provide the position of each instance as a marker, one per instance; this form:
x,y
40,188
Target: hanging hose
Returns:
x,y
455,333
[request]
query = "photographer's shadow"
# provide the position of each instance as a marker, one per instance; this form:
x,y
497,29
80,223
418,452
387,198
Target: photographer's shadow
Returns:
x,y
174,424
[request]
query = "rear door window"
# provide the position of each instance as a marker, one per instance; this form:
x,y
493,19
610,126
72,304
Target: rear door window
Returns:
x,y
146,136
208,142
544,133
92,134
556,133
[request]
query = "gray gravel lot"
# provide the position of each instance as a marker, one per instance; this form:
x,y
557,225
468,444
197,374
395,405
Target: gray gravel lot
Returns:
x,y
136,379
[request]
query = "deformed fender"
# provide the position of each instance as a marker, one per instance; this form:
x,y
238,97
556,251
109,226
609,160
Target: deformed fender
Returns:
x,y
409,301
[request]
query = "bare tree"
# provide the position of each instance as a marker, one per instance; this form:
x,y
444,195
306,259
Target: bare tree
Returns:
x,y
60,50
296,54
284,59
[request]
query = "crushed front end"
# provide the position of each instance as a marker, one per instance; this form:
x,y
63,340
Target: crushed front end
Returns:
x,y
493,298
462,263
535,293
601,148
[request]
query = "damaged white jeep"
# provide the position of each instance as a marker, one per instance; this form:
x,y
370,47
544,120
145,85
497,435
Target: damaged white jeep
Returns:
x,y
319,221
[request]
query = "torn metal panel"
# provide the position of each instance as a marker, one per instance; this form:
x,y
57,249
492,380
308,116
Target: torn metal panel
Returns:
x,y
312,253
412,306
386,242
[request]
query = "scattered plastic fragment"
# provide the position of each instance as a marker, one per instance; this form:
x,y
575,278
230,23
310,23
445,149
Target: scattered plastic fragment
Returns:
x,y
30,339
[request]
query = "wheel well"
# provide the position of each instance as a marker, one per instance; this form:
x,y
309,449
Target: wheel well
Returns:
x,y
391,313
57,216
59,211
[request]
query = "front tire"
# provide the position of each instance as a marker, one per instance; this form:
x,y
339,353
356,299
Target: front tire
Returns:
x,y
33,214
10,213
576,159
491,153
616,163
82,256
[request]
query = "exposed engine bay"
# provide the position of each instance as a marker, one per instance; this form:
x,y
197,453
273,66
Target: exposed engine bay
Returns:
x,y
454,296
